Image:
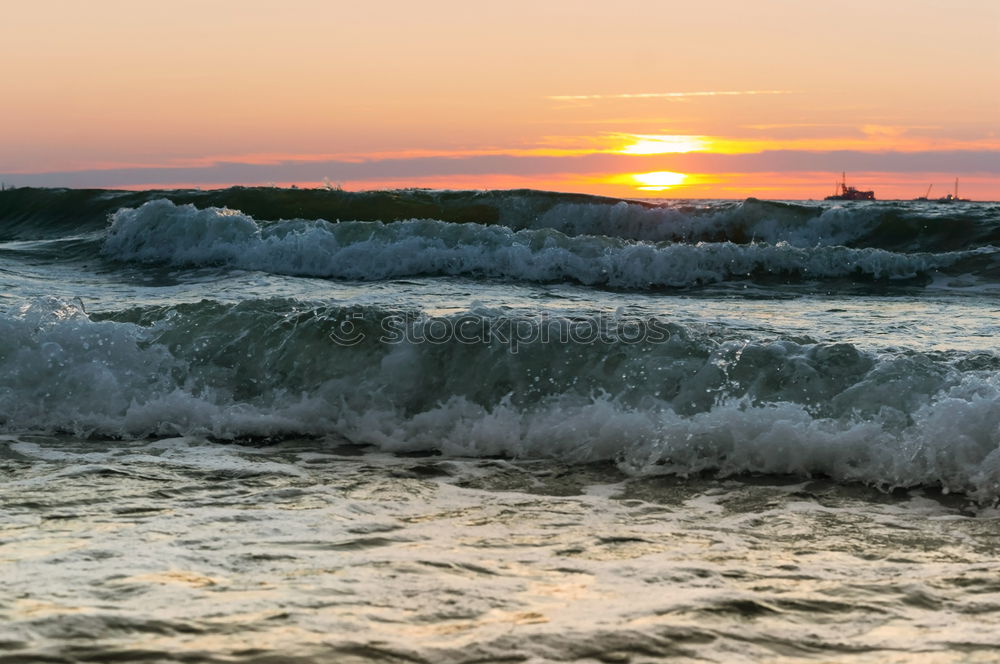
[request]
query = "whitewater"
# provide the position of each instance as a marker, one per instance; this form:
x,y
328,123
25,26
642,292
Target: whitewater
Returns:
x,y
261,424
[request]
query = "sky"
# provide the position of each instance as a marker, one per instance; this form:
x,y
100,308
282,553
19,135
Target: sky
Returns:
x,y
634,98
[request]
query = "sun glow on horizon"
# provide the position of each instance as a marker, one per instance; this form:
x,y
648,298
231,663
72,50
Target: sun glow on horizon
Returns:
x,y
658,180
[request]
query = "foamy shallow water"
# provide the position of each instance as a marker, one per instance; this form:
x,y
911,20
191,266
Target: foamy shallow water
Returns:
x,y
312,551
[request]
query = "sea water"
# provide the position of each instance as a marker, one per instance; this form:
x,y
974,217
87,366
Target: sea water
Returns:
x,y
261,425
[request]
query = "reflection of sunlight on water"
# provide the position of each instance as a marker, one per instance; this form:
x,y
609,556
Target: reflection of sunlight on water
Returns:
x,y
658,180
455,559
35,609
176,577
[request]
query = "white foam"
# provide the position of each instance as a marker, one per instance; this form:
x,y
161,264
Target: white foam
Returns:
x,y
956,447
160,231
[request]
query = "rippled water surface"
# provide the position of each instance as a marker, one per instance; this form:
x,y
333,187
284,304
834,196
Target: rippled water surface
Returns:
x,y
185,550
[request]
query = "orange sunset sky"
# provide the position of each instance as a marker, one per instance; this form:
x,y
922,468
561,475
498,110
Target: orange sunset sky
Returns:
x,y
716,98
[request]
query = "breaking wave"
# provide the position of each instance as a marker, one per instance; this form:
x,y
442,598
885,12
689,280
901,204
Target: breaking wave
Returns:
x,y
162,232
693,400
27,214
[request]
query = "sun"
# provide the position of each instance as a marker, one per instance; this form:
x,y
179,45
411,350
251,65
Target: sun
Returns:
x,y
658,180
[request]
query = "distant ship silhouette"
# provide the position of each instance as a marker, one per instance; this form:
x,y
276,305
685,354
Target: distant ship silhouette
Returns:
x,y
953,198
947,198
850,193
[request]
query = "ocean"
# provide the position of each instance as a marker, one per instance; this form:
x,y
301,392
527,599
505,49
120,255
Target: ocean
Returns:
x,y
270,425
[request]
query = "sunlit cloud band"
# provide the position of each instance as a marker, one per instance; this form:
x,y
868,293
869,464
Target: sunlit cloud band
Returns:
x,y
786,161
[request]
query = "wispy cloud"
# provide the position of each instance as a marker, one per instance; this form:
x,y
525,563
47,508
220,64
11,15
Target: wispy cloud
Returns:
x,y
799,125
669,95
